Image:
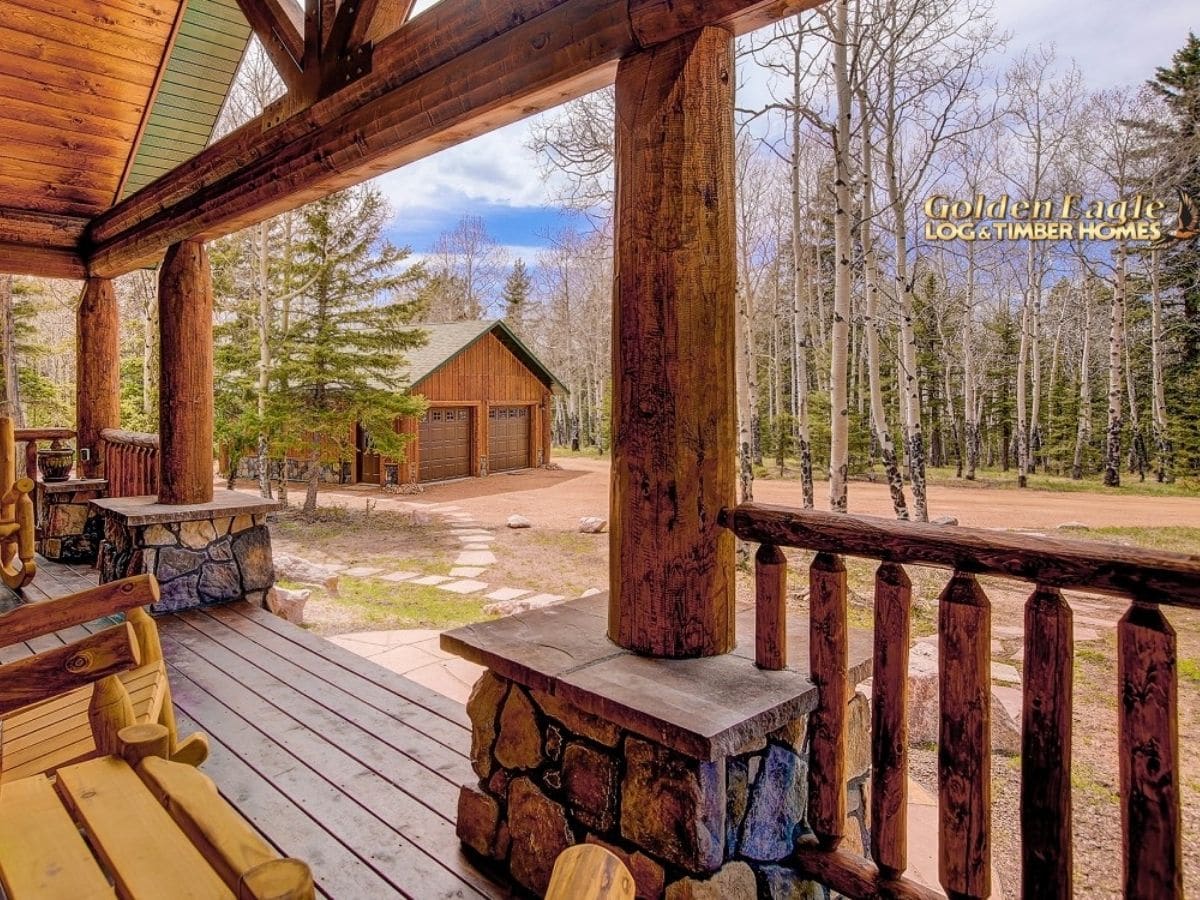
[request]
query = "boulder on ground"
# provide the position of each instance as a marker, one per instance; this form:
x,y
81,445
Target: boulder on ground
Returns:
x,y
923,704
293,568
944,520
287,604
519,522
593,525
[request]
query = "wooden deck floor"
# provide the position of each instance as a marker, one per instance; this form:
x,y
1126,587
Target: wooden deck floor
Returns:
x,y
334,759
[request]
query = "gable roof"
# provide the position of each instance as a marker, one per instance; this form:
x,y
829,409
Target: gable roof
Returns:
x,y
447,340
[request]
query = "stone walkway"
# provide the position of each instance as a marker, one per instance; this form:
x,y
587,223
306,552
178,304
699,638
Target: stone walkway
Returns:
x,y
415,653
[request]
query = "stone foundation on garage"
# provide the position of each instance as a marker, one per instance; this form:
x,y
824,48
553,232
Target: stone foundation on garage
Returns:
x,y
694,772
69,528
201,555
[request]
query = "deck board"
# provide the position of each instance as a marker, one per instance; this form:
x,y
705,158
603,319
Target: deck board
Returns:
x,y
334,759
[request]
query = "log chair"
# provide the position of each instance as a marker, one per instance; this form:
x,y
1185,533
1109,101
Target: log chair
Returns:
x,y
17,526
69,703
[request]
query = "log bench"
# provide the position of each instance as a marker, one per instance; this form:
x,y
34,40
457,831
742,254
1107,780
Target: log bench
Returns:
x,y
153,828
68,703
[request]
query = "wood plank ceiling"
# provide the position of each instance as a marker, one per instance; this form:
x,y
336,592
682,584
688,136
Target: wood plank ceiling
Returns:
x,y
98,97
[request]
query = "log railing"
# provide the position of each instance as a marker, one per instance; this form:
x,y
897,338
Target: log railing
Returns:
x,y
1149,743
130,462
30,438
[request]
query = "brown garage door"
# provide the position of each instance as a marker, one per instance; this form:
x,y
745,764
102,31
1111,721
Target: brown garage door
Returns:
x,y
446,443
508,438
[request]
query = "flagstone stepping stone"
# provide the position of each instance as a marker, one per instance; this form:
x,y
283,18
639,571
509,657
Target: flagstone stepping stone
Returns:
x,y
540,600
362,571
467,571
503,594
477,538
399,576
1005,673
430,579
475,546
476,557
1100,623
466,586
1008,631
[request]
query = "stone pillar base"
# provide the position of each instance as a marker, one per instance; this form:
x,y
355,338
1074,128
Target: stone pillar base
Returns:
x,y
69,529
201,554
693,772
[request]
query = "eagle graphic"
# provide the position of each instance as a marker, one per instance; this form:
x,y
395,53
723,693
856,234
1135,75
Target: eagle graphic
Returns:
x,y
1187,223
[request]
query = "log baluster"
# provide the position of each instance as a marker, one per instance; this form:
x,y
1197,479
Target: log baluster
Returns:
x,y
889,720
1149,754
1046,866
829,661
770,610
964,739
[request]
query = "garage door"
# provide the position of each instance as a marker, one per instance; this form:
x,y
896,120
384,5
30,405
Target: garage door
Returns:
x,y
508,438
446,443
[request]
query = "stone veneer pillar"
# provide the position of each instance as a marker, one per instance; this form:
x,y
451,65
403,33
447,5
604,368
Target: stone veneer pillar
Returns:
x,y
693,772
204,554
69,529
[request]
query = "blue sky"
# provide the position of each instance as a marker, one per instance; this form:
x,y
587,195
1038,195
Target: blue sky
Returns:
x,y
496,177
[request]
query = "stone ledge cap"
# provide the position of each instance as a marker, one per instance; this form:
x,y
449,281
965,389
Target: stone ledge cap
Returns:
x,y
73,484
704,708
134,511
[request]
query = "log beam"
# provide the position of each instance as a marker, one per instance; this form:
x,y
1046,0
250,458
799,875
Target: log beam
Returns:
x,y
280,29
98,376
458,70
185,403
671,564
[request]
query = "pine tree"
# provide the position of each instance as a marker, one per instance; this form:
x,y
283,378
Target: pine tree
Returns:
x,y
341,359
516,294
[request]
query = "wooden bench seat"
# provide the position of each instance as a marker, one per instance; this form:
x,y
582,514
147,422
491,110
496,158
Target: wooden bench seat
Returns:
x,y
153,828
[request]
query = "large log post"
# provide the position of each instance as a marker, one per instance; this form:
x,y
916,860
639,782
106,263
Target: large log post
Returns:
x,y
671,565
98,372
185,403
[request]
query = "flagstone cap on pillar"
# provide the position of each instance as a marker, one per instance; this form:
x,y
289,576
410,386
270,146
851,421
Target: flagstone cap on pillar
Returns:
x,y
704,708
148,511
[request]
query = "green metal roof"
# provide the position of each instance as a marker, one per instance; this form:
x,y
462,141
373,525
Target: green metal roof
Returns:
x,y
446,341
208,50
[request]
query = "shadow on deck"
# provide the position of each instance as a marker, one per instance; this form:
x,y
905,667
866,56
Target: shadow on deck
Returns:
x,y
334,760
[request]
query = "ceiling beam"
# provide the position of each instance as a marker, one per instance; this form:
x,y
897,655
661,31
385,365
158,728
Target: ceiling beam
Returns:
x,y
41,262
279,25
459,70
354,18
23,226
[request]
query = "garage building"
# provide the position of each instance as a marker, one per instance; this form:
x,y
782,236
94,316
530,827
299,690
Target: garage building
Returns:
x,y
489,408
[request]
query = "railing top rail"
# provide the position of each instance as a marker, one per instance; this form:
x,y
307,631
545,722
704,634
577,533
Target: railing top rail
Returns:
x,y
136,438
43,434
1148,575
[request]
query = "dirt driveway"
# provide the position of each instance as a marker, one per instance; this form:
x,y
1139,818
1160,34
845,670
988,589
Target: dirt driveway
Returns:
x,y
557,498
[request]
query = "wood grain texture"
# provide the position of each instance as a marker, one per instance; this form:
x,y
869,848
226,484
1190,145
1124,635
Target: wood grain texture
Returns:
x,y
1046,861
589,872
851,875
964,739
770,608
33,619
671,564
98,360
889,720
41,851
1172,578
41,262
1149,754
458,70
829,666
185,408
67,667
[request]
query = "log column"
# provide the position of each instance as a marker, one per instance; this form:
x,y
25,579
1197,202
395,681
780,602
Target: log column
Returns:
x,y
185,404
98,372
672,566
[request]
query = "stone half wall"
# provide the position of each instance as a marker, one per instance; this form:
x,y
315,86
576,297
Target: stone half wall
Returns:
x,y
197,563
69,529
551,776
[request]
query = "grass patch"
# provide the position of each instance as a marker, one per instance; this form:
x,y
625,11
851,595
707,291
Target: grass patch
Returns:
x,y
1189,670
1092,655
384,606
581,453
1173,538
1084,780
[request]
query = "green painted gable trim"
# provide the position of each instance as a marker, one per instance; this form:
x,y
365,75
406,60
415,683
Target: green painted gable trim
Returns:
x,y
212,39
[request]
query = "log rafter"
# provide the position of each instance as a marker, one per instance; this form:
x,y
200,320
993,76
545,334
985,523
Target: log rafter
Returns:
x,y
454,72
279,27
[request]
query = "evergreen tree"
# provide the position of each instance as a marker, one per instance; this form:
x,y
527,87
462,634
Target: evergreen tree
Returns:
x,y
340,359
516,294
